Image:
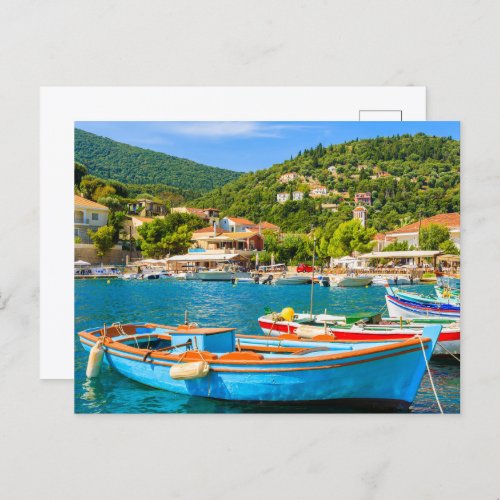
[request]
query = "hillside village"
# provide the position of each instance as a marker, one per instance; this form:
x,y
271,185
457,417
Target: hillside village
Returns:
x,y
386,185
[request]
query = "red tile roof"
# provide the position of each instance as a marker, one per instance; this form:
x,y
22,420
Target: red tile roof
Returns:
x,y
360,209
83,202
267,225
379,237
208,229
142,219
451,221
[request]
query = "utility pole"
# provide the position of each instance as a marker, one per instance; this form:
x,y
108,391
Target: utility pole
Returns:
x,y
312,278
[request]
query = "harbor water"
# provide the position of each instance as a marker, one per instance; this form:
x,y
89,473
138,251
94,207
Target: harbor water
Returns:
x,y
220,304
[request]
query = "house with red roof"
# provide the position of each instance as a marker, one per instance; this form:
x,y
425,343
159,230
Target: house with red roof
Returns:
x,y
209,215
410,232
363,198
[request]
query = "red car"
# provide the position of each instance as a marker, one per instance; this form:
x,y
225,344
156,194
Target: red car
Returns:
x,y
304,268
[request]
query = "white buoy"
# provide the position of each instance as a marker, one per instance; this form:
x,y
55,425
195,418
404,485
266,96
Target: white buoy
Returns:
x,y
95,360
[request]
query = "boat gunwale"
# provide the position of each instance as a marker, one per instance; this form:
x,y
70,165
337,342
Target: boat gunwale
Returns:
x,y
391,345
238,363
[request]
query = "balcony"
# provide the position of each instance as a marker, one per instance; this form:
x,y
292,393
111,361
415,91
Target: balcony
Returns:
x,y
81,220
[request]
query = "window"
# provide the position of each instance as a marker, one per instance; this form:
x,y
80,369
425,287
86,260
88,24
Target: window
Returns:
x,y
95,216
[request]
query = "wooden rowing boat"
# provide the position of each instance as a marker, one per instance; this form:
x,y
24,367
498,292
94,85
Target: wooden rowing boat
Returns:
x,y
384,375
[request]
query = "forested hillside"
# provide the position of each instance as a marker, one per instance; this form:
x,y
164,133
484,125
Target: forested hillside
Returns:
x,y
408,177
113,160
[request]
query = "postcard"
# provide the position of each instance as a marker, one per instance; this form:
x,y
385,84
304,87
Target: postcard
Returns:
x,y
62,107
266,266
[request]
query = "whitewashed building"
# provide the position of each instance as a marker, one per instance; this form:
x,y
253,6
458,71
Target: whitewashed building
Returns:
x,y
288,177
282,197
298,195
360,213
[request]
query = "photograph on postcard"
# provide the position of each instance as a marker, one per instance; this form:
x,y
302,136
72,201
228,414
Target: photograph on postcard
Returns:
x,y
265,267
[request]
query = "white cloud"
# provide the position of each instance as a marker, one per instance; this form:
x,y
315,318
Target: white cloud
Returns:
x,y
228,129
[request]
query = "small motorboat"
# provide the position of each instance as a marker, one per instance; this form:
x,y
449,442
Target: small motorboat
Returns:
x,y
293,280
130,276
355,281
395,279
210,363
324,281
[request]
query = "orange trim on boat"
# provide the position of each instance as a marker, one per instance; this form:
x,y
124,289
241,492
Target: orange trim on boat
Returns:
x,y
333,356
274,370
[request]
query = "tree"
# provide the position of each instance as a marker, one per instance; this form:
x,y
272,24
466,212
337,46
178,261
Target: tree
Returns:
x,y
432,236
398,246
80,172
115,221
102,240
103,192
448,247
351,237
169,235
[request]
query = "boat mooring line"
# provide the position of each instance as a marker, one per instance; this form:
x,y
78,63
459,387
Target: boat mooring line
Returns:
x,y
429,372
449,352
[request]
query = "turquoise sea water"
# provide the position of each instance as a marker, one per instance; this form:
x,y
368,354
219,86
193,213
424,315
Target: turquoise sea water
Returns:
x,y
224,305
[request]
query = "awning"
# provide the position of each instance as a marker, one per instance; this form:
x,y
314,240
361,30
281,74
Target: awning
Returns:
x,y
204,257
406,254
449,258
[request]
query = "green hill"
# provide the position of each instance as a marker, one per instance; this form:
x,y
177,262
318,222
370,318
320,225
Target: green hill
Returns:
x,y
408,177
109,159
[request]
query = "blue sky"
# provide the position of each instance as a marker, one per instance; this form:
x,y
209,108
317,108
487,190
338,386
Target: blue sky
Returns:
x,y
247,146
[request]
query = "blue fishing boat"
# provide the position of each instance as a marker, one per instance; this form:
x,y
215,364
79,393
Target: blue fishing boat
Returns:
x,y
212,363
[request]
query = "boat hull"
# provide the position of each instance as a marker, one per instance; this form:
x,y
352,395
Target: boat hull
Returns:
x,y
294,280
355,282
390,377
406,309
449,339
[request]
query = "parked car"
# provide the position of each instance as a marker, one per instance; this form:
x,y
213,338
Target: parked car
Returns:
x,y
304,268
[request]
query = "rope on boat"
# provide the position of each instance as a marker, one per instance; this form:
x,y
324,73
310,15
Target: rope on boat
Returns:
x,y
429,372
449,352
119,327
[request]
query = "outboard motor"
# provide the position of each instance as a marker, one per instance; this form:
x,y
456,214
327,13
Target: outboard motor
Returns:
x,y
268,280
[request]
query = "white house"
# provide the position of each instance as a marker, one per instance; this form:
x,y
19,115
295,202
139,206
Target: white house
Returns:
x,y
282,197
319,191
298,195
289,177
88,215
235,224
332,170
